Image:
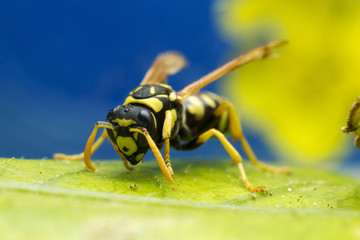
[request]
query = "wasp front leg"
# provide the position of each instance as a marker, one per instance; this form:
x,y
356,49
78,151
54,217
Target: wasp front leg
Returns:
x,y
168,124
238,134
156,152
80,156
91,148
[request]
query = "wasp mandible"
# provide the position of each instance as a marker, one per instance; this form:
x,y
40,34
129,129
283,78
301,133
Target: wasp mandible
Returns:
x,y
154,115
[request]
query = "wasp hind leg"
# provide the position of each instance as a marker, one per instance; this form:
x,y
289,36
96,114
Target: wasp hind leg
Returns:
x,y
230,150
237,133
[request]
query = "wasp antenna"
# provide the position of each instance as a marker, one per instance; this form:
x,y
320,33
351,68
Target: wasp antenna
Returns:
x,y
258,53
88,148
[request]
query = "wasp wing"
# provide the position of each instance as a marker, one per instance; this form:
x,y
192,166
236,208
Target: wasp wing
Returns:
x,y
353,119
252,55
164,65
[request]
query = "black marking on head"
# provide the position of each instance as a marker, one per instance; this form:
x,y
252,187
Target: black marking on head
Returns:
x,y
146,91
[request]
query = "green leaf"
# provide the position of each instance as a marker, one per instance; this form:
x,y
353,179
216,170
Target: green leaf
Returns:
x,y
45,199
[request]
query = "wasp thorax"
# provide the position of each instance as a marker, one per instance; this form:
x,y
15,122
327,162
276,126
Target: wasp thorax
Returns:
x,y
132,145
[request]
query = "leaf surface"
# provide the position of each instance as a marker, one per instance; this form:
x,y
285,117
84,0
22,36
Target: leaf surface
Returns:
x,y
39,199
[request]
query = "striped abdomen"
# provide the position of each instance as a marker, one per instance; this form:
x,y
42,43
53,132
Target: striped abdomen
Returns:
x,y
198,115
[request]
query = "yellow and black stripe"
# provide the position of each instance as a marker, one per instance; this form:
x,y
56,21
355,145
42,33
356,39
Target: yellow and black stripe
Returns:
x,y
200,115
158,98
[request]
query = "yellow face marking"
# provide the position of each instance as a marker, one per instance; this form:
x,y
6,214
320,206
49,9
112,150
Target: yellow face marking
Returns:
x,y
153,102
126,145
172,96
174,117
209,101
152,90
135,135
196,107
139,157
124,122
115,133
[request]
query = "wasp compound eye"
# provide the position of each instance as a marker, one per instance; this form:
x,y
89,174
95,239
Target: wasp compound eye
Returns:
x,y
145,116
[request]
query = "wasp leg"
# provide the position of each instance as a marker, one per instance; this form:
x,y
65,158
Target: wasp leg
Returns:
x,y
237,133
168,123
233,154
80,156
156,152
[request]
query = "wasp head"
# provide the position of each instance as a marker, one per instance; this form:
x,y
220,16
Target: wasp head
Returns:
x,y
132,145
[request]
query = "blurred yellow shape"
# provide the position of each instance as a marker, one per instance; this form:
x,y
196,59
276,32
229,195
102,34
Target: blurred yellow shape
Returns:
x,y
301,99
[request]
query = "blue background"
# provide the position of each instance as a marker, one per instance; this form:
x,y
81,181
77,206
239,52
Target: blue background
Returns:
x,y
65,64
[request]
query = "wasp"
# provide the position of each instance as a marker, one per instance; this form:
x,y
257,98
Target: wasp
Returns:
x,y
155,116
